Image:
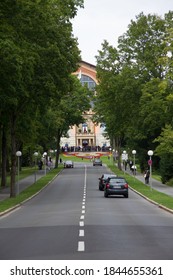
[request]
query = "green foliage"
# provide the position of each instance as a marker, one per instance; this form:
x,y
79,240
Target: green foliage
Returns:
x,y
165,141
166,164
38,53
135,85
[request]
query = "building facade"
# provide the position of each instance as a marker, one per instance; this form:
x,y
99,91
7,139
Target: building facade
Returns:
x,y
88,135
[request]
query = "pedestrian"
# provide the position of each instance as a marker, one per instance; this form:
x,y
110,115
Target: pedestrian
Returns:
x,y
147,176
40,164
133,169
130,164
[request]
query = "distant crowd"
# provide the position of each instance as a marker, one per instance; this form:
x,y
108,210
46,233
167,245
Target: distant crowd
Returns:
x,y
85,149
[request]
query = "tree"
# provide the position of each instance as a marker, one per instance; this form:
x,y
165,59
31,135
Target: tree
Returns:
x,y
37,57
134,93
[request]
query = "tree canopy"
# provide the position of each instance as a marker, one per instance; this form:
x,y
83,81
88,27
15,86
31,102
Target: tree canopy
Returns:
x,y
134,96
38,53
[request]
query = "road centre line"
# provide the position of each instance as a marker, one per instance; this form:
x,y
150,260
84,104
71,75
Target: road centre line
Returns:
x,y
81,232
81,246
81,224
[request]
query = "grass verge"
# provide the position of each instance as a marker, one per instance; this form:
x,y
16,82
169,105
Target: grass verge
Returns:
x,y
30,191
154,195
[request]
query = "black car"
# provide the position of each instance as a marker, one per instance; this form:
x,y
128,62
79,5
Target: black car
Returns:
x,y
68,164
116,186
103,180
97,161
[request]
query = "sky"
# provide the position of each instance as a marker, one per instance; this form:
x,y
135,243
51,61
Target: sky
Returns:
x,y
108,19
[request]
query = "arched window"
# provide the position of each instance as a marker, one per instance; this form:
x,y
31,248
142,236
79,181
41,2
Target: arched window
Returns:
x,y
87,80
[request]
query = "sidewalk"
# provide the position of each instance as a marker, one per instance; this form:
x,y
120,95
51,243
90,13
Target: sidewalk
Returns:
x,y
155,184
23,184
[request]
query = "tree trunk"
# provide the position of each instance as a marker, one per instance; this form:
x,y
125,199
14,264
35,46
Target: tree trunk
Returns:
x,y
13,157
57,148
4,158
118,148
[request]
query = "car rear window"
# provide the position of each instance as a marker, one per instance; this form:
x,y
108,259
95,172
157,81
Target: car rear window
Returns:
x,y
117,180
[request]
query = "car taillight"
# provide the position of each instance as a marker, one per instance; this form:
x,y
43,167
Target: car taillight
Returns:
x,y
126,186
107,186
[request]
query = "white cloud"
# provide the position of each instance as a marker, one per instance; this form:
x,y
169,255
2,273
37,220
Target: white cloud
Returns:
x,y
108,19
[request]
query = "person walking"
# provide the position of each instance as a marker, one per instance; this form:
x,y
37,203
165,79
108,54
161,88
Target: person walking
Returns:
x,y
147,176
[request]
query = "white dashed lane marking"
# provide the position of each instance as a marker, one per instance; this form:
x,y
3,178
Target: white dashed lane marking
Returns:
x,y
81,243
81,246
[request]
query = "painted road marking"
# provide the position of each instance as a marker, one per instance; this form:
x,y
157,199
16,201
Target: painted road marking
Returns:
x,y
81,246
81,232
81,224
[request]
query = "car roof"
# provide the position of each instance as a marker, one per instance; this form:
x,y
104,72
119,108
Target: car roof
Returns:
x,y
69,161
109,175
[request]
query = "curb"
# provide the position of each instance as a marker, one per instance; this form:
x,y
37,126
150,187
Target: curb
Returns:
x,y
29,198
152,201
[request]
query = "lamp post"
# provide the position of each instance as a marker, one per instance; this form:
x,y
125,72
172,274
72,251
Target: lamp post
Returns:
x,y
18,154
35,155
134,153
110,150
124,157
44,155
150,153
113,156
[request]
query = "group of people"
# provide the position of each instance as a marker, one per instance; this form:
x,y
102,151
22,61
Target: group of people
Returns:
x,y
48,163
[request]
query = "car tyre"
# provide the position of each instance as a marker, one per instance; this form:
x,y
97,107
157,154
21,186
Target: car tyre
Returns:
x,y
126,195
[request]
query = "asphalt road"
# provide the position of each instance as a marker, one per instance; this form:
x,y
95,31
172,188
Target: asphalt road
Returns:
x,y
71,219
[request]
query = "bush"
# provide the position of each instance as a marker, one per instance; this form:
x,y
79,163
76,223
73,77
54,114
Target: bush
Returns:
x,y
166,170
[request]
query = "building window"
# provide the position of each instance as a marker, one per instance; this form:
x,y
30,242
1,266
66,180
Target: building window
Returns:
x,y
85,80
84,127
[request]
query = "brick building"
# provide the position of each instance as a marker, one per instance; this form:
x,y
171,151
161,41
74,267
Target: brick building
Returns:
x,y
88,134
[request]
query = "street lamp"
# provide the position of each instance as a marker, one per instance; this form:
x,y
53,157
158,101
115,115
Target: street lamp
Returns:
x,y
150,153
124,158
113,156
18,154
110,150
44,155
35,155
134,153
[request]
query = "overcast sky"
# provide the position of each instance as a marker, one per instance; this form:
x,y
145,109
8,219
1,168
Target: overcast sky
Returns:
x,y
108,19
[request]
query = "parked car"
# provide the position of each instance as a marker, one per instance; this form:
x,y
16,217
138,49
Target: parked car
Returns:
x,y
103,180
116,186
97,161
68,164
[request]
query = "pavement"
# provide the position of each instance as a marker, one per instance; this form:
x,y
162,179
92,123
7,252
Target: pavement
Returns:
x,y
24,183
154,184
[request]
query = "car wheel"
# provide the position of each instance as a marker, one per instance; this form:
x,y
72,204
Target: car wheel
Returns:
x,y
126,195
